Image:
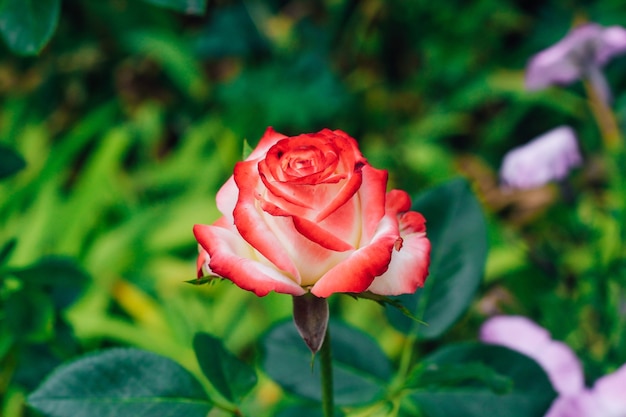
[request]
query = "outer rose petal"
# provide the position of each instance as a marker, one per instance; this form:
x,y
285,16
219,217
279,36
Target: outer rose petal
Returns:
x,y
250,223
231,257
227,195
409,262
356,273
202,262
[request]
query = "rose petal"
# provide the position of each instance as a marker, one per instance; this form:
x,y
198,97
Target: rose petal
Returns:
x,y
357,272
232,258
309,229
227,195
373,199
202,262
250,222
269,139
409,262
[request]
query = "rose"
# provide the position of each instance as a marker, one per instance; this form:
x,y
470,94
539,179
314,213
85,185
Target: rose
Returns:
x,y
308,213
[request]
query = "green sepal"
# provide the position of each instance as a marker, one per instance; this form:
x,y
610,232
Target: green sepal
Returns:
x,y
207,279
384,301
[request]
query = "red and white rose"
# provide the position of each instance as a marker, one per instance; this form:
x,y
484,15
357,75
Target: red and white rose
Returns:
x,y
309,214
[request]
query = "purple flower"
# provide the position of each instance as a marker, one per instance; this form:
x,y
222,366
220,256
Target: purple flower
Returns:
x,y
607,397
580,54
523,335
546,158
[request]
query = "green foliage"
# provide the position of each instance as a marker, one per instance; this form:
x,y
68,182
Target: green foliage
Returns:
x,y
361,369
457,231
121,382
185,6
230,376
121,119
10,162
477,380
27,25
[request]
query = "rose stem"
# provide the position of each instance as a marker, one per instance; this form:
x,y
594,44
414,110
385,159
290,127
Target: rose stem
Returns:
x,y
327,376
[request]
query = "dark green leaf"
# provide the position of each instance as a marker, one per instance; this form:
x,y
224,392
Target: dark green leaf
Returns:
x,y
311,410
230,376
29,315
457,230
53,271
361,369
121,383
10,161
6,250
185,6
505,383
207,279
27,25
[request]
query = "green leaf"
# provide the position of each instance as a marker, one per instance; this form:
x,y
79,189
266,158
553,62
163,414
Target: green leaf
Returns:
x,y
29,315
247,149
175,57
6,250
311,410
185,6
10,161
230,376
59,275
53,271
457,230
121,383
361,370
27,25
505,383
207,279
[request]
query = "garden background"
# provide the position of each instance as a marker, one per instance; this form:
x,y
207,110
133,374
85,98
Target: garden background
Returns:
x,y
120,120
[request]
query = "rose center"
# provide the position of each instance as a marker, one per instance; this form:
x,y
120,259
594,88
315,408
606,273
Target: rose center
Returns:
x,y
302,162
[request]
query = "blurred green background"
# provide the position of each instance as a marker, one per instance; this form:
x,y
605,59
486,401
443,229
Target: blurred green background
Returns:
x,y
133,115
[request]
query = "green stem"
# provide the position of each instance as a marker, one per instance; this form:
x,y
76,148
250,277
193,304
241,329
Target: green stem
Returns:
x,y
327,377
604,117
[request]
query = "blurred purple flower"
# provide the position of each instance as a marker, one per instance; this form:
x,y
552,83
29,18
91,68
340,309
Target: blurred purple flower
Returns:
x,y
523,335
546,158
607,397
580,54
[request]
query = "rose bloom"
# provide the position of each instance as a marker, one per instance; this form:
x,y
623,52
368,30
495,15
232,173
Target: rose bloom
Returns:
x,y
309,214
